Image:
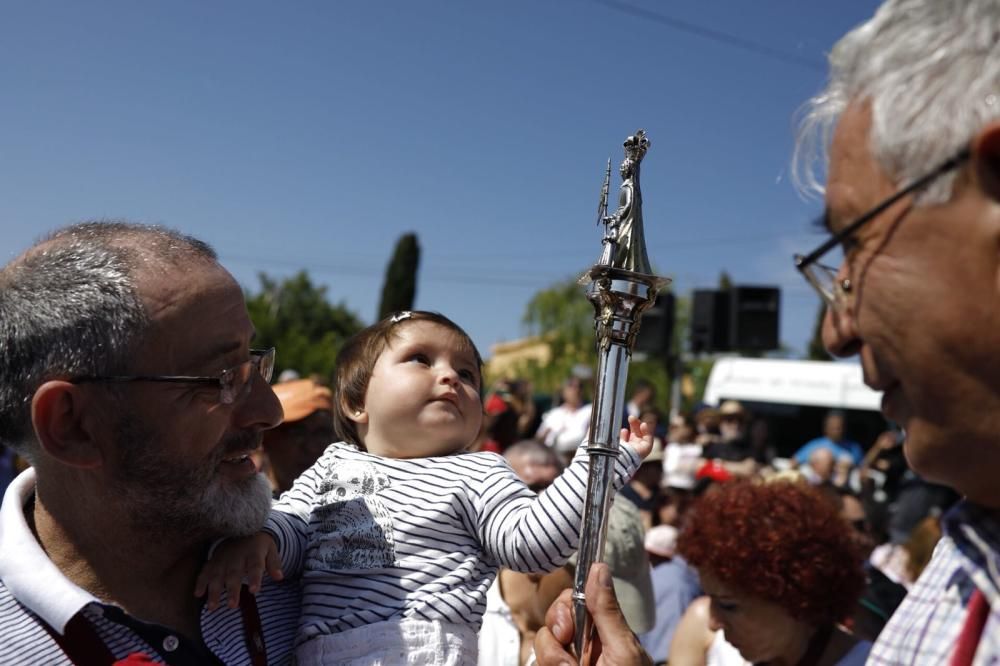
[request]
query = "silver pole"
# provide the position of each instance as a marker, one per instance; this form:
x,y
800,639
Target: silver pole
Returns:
x,y
621,287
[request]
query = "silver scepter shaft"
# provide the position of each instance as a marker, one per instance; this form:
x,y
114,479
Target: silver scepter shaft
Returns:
x,y
622,286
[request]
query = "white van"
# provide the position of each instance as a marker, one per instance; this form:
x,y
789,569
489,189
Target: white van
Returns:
x,y
794,396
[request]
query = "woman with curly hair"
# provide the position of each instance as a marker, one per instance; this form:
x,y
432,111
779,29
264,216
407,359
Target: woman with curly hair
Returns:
x,y
781,570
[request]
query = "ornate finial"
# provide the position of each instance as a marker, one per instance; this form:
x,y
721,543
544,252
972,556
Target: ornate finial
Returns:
x,y
624,243
636,146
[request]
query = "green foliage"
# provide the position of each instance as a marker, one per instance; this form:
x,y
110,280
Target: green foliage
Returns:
x,y
400,286
817,351
294,316
564,317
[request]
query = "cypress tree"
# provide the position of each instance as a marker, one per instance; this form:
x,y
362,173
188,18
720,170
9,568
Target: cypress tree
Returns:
x,y
400,287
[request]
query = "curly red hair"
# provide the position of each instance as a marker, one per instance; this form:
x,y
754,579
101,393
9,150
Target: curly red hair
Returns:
x,y
783,542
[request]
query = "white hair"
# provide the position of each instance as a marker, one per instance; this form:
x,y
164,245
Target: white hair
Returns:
x,y
930,70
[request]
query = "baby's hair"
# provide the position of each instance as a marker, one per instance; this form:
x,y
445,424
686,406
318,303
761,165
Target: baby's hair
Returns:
x,y
356,362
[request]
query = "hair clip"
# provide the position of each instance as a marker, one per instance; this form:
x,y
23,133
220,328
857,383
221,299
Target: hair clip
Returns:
x,y
400,316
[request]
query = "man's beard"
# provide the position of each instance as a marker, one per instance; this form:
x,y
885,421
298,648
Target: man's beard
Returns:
x,y
174,497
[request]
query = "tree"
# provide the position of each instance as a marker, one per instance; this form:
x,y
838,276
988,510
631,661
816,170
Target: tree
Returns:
x,y
564,318
400,287
817,351
294,316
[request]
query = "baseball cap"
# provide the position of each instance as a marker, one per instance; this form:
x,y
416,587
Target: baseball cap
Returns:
x,y
301,397
661,540
626,557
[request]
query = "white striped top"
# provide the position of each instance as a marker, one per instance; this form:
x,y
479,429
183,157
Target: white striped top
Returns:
x,y
378,538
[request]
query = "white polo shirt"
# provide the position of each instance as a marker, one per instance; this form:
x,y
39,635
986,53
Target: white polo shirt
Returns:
x,y
33,590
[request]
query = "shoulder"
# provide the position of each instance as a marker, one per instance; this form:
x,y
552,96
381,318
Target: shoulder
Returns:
x,y
693,635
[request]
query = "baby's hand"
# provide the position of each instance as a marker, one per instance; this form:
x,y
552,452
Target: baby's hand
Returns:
x,y
234,560
637,436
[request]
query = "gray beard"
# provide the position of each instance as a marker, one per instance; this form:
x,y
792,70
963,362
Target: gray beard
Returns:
x,y
173,497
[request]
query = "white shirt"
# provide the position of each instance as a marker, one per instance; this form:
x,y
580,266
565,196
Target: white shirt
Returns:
x,y
499,639
564,428
33,590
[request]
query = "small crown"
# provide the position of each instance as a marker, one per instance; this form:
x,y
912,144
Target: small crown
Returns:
x,y
400,316
636,145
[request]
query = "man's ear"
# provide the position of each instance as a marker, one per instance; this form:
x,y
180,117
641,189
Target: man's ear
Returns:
x,y
986,157
58,414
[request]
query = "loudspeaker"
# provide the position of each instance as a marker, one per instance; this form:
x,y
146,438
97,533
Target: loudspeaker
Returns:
x,y
753,318
656,328
709,321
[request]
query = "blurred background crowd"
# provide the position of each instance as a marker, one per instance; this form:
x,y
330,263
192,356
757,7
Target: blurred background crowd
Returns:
x,y
718,507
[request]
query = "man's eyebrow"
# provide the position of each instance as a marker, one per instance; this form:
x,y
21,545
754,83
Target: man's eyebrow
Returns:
x,y
222,350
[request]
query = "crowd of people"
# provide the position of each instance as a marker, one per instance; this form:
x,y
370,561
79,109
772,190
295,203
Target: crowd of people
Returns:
x,y
136,417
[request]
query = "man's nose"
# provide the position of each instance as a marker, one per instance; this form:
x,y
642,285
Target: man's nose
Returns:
x,y
261,408
840,331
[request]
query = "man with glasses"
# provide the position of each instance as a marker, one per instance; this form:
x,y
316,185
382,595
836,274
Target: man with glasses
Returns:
x,y
127,379
913,201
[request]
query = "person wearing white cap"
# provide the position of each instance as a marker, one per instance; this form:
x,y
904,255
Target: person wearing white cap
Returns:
x,y
675,586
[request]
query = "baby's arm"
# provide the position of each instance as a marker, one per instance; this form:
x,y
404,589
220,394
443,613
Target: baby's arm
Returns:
x,y
532,534
234,560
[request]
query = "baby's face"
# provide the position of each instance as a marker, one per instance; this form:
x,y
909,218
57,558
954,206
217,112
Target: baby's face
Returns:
x,y
423,395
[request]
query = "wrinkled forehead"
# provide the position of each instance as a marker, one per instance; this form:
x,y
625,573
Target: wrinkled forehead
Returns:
x,y
197,313
855,179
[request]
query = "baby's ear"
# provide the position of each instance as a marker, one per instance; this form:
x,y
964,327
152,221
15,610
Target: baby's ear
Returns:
x,y
356,414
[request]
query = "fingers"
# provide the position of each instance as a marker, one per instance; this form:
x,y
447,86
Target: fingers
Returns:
x,y
638,436
551,641
618,644
273,563
234,581
559,617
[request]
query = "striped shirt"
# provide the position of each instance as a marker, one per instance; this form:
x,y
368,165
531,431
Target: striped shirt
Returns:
x,y
34,592
925,627
378,538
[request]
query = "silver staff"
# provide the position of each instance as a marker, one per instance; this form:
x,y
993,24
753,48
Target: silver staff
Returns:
x,y
622,285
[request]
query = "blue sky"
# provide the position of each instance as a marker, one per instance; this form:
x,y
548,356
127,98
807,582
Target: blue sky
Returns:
x,y
312,134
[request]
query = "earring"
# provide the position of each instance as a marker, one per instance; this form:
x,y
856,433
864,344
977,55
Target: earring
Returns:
x,y
845,285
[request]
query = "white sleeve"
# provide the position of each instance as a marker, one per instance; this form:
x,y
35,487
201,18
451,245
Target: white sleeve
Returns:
x,y
529,533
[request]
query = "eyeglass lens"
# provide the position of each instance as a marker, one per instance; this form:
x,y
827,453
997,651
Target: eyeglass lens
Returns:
x,y
235,382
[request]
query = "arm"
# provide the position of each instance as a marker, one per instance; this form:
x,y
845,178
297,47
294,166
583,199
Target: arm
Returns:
x,y
615,644
288,523
529,533
279,548
232,561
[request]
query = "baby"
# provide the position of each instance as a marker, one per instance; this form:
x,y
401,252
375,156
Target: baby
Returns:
x,y
397,533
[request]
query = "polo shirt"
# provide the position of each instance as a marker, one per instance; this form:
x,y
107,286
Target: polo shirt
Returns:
x,y
33,591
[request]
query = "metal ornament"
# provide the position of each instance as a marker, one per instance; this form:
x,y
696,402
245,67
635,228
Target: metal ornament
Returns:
x,y
621,286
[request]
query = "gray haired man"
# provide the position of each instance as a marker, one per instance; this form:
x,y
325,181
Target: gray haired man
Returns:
x,y
913,200
128,381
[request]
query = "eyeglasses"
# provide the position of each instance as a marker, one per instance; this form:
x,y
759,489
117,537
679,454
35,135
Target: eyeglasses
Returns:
x,y
824,278
233,383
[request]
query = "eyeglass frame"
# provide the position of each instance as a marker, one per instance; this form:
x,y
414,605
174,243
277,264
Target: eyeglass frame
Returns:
x,y
804,263
261,359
